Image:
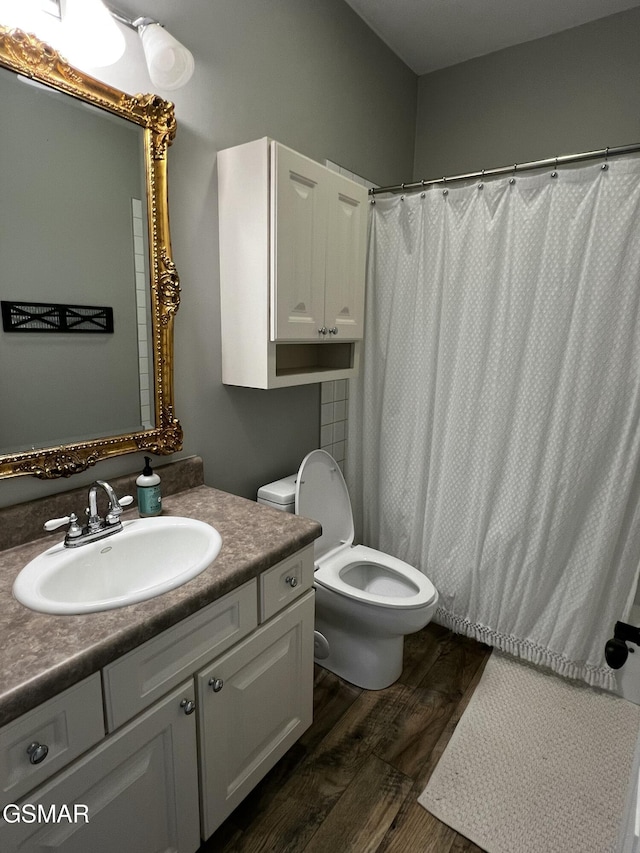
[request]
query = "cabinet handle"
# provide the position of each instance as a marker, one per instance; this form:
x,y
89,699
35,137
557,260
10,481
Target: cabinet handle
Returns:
x,y
37,752
291,580
333,331
322,331
217,684
188,705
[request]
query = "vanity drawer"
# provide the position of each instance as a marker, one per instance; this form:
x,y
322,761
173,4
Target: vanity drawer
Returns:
x,y
284,582
139,678
63,727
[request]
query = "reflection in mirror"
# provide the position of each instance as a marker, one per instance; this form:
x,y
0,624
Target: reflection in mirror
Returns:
x,y
87,284
71,233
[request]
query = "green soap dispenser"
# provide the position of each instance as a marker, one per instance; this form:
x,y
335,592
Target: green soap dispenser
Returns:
x,y
149,496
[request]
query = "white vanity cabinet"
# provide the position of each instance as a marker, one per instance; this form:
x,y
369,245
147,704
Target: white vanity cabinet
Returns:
x,y
253,704
292,267
139,787
48,738
194,718
137,679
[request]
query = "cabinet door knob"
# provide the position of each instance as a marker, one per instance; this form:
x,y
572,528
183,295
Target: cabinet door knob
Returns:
x,y
188,705
37,752
322,331
333,331
291,580
216,684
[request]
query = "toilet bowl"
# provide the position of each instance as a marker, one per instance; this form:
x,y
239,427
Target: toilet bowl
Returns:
x,y
366,601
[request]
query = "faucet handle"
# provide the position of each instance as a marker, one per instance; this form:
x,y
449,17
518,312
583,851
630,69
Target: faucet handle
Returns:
x,y
55,523
115,512
72,520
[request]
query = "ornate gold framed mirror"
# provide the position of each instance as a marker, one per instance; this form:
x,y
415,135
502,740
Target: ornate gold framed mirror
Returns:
x,y
130,268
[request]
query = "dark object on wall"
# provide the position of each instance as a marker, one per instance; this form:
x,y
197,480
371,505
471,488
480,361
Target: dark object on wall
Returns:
x,y
616,649
50,317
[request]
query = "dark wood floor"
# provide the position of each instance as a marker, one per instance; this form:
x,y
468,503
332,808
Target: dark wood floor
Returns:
x,y
351,782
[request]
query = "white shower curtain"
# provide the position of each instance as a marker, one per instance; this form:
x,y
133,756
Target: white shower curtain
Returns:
x,y
495,427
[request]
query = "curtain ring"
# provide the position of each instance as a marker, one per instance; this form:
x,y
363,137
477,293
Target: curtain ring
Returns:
x,y
445,191
605,165
554,174
481,184
512,179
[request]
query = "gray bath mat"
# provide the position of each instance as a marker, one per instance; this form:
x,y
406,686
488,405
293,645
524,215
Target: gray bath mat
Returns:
x,y
536,764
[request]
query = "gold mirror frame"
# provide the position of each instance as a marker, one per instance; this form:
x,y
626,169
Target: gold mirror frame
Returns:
x,y
29,56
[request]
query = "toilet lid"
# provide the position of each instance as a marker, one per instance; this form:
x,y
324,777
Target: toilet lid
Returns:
x,y
321,494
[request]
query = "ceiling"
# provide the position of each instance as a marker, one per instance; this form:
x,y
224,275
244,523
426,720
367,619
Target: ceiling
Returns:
x,y
432,34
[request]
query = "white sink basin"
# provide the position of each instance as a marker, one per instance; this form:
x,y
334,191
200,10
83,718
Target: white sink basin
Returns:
x,y
148,557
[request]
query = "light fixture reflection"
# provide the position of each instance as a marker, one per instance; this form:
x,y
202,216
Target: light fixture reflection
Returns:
x,y
23,14
91,36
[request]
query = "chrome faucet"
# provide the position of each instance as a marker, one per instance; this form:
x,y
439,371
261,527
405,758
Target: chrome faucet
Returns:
x,y
114,512
96,527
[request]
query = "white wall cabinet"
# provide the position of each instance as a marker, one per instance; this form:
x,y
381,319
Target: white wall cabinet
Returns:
x,y
292,267
195,718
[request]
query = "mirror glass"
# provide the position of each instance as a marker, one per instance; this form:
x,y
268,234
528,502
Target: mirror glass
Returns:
x,y
72,233
88,289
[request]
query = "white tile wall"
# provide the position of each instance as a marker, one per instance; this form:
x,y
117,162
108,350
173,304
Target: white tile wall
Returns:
x,y
333,418
142,299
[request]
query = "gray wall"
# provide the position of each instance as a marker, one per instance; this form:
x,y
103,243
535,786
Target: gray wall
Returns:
x,y
574,91
310,74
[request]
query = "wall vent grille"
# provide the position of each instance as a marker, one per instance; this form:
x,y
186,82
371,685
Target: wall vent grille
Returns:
x,y
52,317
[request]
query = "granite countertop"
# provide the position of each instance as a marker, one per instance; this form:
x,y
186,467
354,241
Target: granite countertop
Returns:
x,y
43,655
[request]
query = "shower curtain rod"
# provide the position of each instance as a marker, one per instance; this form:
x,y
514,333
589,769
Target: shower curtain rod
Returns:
x,y
511,170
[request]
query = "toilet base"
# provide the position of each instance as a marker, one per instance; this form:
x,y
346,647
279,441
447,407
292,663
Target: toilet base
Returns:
x,y
369,662
366,644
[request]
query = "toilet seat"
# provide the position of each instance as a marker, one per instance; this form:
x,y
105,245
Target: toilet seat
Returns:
x,y
321,494
358,572
385,581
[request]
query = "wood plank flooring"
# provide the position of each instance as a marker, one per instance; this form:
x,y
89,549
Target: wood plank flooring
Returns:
x,y
351,782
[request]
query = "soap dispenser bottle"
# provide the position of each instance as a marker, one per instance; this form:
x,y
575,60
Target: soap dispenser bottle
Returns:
x,y
149,496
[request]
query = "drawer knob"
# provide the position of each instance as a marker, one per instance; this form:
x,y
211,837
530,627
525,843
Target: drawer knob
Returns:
x,y
291,580
188,706
216,684
37,752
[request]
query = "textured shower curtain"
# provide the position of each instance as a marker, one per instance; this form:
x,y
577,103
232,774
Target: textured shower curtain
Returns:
x,y
495,427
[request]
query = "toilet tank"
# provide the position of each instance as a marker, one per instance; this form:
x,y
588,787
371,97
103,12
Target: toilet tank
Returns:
x,y
281,494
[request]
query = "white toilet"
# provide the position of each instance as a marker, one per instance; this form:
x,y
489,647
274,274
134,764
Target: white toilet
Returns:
x,y
366,601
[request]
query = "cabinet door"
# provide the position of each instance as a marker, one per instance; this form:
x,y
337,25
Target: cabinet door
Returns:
x,y
64,727
253,704
298,241
346,257
138,789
